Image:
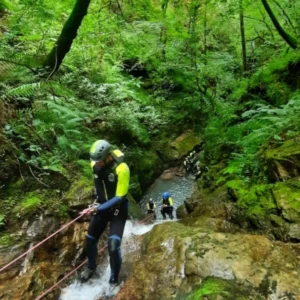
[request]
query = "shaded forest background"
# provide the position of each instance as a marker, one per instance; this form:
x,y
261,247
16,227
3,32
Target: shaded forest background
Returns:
x,y
139,71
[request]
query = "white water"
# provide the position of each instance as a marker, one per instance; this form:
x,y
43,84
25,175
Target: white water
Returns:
x,y
179,188
99,287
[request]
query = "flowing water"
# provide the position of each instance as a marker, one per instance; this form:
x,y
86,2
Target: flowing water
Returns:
x,y
179,188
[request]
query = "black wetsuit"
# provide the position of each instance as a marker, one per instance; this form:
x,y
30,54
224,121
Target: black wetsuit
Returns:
x,y
112,183
167,208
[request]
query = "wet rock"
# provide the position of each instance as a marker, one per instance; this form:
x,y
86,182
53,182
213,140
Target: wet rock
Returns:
x,y
80,193
181,212
42,226
294,232
177,253
287,197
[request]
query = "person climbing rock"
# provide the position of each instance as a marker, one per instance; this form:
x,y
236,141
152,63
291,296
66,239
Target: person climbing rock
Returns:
x,y
167,206
151,206
111,178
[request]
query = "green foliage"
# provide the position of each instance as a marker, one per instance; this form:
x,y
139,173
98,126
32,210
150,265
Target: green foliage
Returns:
x,y
28,205
136,72
6,240
257,127
2,220
214,288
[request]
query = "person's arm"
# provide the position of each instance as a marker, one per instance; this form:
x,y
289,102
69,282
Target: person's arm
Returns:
x,y
171,201
123,174
148,206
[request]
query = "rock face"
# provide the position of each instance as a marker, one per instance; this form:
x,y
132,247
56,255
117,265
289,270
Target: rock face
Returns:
x,y
43,267
177,257
179,147
284,162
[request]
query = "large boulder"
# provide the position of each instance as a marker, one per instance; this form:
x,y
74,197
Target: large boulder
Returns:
x,y
179,147
175,258
287,197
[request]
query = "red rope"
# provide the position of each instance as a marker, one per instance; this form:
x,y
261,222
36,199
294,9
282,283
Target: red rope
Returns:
x,y
69,274
55,285
43,241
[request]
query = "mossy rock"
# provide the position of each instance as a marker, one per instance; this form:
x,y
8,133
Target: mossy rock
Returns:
x,y
213,288
9,167
237,188
287,197
283,162
149,167
80,192
181,146
6,240
29,205
256,201
181,212
135,211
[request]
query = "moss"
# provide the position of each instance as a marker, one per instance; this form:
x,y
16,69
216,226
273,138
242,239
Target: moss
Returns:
x,y
6,240
81,189
288,148
239,187
85,169
179,147
186,142
147,170
63,210
255,201
258,200
135,211
29,204
287,198
2,221
217,287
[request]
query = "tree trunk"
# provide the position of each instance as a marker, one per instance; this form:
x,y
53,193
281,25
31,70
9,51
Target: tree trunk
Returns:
x,y
285,35
243,40
68,34
205,32
163,34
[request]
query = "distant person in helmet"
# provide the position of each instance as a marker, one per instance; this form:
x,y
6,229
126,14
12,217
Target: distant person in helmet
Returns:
x,y
167,205
151,208
111,178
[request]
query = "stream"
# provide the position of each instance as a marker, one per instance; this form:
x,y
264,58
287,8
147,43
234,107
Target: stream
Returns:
x,y
179,188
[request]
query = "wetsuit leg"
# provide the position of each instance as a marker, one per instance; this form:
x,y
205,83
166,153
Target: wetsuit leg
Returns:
x,y
163,213
114,242
96,228
170,212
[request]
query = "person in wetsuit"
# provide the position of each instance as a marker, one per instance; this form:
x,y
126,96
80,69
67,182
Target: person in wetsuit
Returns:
x,y
167,205
151,208
111,178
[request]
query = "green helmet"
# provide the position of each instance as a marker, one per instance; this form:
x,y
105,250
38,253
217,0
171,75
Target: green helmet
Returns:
x,y
100,150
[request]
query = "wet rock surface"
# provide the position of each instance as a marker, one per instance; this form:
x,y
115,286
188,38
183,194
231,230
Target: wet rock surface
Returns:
x,y
177,257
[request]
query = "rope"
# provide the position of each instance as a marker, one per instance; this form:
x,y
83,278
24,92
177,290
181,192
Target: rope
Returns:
x,y
68,275
79,266
43,241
